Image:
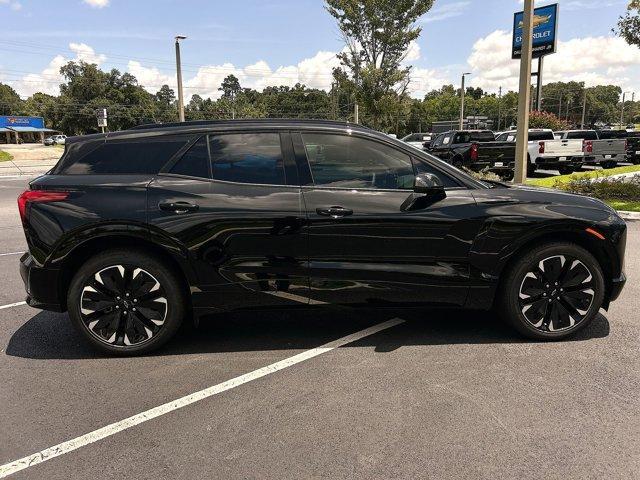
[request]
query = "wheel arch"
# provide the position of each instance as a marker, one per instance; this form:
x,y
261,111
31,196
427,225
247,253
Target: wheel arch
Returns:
x,y
82,252
596,247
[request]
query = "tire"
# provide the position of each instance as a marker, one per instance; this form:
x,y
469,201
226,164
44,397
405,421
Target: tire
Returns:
x,y
609,165
565,170
457,162
507,176
528,294
110,287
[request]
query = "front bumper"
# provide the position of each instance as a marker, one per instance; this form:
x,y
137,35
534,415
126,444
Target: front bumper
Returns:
x,y
617,284
41,285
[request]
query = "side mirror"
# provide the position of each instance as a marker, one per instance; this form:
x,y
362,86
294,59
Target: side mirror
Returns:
x,y
428,184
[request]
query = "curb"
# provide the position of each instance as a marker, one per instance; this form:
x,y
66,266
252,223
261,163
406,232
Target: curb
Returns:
x,y
629,215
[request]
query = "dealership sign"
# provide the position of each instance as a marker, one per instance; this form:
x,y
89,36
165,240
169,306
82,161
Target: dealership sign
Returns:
x,y
545,29
13,121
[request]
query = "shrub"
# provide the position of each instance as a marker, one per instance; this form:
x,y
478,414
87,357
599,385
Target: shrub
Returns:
x,y
604,188
546,120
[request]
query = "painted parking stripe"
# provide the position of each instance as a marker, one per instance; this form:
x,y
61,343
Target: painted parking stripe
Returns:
x,y
10,305
112,429
10,253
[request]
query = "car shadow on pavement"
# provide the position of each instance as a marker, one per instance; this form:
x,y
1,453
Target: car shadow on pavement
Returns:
x,y
51,336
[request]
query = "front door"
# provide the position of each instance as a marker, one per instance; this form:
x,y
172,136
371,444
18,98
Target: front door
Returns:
x,y
233,205
370,243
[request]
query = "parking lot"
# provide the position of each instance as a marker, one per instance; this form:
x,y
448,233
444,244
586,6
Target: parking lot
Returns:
x,y
435,394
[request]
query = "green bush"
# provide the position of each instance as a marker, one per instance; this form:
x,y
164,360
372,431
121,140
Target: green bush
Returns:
x,y
627,189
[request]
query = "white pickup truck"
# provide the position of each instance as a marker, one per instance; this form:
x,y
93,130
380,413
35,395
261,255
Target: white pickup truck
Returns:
x,y
547,153
598,151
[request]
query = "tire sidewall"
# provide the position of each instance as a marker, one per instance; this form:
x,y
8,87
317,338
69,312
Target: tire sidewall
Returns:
x,y
511,307
175,298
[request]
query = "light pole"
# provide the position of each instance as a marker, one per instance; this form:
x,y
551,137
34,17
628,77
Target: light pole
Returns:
x,y
462,100
624,96
179,74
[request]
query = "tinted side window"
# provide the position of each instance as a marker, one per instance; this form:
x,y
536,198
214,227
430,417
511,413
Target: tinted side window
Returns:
x,y
482,137
195,162
352,162
537,136
421,166
139,156
247,158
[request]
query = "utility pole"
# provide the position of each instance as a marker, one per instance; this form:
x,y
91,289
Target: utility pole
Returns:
x,y
356,114
499,107
560,106
524,93
584,109
179,75
462,92
622,110
538,76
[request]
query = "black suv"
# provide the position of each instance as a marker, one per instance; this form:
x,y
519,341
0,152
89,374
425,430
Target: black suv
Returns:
x,y
133,231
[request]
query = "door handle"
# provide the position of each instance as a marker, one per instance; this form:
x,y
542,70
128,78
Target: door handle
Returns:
x,y
334,212
178,207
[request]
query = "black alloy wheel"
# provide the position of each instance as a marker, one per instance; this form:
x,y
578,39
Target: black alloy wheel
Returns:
x,y
126,302
123,305
557,294
551,291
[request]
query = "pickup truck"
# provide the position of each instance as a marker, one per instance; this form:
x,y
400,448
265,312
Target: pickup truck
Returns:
x,y
546,152
418,140
475,150
597,151
633,147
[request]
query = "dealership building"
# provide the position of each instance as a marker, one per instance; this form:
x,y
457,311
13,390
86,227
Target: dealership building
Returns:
x,y
16,129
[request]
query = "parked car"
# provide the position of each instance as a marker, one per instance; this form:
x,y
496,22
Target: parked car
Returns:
x,y
603,152
419,140
548,151
475,150
55,140
135,231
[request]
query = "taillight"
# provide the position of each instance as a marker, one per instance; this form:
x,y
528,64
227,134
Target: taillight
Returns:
x,y
474,152
540,147
588,146
32,196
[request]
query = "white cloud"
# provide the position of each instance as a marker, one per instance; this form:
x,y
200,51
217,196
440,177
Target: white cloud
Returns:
x,y
448,10
413,52
97,3
588,59
424,80
13,5
48,80
150,77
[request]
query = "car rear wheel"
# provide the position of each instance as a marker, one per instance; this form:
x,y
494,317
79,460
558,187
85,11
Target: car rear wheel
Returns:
x,y
126,302
552,292
565,170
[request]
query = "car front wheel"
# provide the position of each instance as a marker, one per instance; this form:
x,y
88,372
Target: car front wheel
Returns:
x,y
126,302
552,292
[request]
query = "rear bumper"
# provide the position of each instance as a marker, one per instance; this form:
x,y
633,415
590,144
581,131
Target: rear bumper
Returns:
x,y
556,162
41,285
598,159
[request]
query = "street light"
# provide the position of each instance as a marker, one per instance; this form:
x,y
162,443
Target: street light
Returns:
x,y
179,74
462,101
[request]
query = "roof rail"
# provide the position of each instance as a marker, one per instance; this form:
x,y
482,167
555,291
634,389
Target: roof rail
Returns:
x,y
197,123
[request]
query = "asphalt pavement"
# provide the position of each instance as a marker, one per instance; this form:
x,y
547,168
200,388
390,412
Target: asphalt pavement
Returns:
x,y
439,395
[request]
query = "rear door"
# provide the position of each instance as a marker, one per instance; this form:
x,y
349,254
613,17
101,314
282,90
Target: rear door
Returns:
x,y
232,205
369,242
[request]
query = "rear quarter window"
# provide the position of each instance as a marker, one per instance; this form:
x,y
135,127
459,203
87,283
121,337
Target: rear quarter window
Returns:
x,y
482,137
125,157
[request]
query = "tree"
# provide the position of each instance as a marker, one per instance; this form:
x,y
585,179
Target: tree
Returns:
x,y
230,87
10,101
629,24
377,34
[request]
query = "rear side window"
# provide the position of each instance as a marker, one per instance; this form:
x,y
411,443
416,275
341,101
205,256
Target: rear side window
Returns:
x,y
482,136
247,158
139,156
583,135
537,136
195,162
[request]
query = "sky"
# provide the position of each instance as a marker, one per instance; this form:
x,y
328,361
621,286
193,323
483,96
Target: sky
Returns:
x,y
282,42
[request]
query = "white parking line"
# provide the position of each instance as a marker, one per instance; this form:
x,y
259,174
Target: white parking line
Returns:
x,y
17,304
112,429
10,253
